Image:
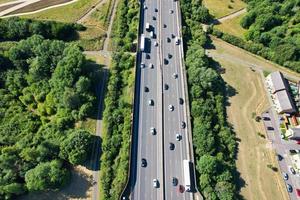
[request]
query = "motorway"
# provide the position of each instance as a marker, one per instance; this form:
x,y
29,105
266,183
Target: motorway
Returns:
x,y
162,163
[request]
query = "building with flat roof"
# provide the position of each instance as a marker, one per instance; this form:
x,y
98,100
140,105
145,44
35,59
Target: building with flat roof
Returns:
x,y
279,89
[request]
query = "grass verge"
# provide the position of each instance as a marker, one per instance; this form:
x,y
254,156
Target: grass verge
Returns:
x,y
220,8
67,13
232,26
254,153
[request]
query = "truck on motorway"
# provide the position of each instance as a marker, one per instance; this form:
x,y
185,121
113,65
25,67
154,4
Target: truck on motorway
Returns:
x,y
187,175
142,43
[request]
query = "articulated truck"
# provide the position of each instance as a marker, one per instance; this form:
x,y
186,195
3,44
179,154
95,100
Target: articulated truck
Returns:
x,y
187,175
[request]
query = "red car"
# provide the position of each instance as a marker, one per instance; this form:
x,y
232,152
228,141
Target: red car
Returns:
x,y
298,141
180,188
298,192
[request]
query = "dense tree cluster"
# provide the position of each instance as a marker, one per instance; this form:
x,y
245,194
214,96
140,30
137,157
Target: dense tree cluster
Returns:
x,y
46,86
14,28
276,25
118,103
213,140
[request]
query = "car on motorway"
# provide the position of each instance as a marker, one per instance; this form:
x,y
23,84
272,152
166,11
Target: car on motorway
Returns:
x,y
155,10
168,39
155,183
174,181
298,192
177,41
151,66
151,102
166,86
292,170
155,44
172,36
152,130
144,162
285,176
152,34
142,65
169,55
171,146
175,75
298,141
147,56
146,89
289,188
165,25
181,101
153,17
270,128
166,61
182,125
171,11
171,107
178,137
145,7
180,188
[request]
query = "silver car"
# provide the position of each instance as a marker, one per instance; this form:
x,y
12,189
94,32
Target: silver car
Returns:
x,y
171,107
155,183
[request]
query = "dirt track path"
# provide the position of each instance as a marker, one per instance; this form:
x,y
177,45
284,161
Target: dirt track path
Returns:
x,y
232,15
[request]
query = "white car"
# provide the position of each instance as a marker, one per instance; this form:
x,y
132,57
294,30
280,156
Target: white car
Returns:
x,y
150,102
145,7
155,183
142,65
151,66
178,137
152,130
155,44
171,107
171,11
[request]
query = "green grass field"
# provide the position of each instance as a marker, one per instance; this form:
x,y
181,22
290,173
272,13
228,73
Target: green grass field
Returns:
x,y
220,8
5,1
232,26
67,13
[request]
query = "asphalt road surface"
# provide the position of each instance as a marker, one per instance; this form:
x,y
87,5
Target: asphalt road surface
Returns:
x,y
160,85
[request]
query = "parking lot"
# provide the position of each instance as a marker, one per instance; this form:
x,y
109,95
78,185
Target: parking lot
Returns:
x,y
282,148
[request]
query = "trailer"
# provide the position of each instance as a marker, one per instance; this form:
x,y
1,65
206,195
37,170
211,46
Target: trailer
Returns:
x,y
142,43
187,175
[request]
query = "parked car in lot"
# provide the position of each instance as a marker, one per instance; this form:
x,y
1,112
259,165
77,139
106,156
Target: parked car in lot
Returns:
x,y
292,151
266,118
298,192
285,176
142,65
269,128
279,157
289,188
292,170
